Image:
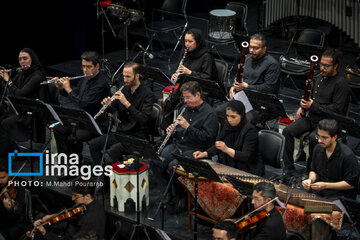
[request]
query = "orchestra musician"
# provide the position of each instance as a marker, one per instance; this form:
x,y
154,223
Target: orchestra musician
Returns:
x,y
330,92
224,230
12,211
237,143
334,170
195,130
272,228
198,62
86,96
133,106
26,83
92,219
261,73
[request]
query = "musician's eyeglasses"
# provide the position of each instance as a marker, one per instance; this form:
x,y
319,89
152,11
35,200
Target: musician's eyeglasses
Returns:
x,y
323,138
326,65
254,48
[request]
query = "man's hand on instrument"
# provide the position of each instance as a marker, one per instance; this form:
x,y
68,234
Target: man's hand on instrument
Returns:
x,y
306,183
121,97
41,229
169,128
306,104
65,81
8,204
298,113
319,186
182,122
105,100
5,75
199,154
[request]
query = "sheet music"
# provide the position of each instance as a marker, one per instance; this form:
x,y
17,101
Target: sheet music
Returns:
x,y
241,96
94,123
52,111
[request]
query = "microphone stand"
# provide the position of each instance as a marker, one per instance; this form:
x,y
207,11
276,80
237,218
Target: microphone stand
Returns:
x,y
102,161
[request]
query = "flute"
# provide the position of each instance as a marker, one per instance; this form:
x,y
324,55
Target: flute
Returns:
x,y
57,80
106,105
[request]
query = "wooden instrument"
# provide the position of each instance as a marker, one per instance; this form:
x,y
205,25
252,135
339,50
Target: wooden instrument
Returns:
x,y
309,201
240,71
68,213
309,81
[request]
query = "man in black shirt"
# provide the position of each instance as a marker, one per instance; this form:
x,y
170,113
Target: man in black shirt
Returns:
x,y
93,218
334,170
86,96
330,92
133,105
12,211
225,230
272,228
194,130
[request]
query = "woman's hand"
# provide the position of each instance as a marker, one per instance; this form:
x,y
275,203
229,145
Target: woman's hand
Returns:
x,y
199,154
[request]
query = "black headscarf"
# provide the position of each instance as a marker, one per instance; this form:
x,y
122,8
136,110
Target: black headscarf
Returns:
x,y
200,44
231,132
35,65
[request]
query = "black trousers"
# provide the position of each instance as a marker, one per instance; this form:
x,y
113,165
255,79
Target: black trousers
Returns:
x,y
296,129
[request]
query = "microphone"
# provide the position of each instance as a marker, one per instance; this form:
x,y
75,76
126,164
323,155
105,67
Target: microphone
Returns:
x,y
150,55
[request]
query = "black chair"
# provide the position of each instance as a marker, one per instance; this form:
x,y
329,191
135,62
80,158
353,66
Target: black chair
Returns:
x,y
310,42
241,10
155,122
271,149
170,18
222,70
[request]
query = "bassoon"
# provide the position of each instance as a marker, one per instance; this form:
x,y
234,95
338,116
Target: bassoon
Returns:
x,y
309,81
240,71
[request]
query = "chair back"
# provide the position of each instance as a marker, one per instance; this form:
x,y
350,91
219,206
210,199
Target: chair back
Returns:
x,y
241,10
310,42
222,69
175,6
271,148
155,120
28,208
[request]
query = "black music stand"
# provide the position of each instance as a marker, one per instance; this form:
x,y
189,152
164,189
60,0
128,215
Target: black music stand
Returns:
x,y
244,188
353,213
209,88
140,149
347,125
267,104
29,107
197,168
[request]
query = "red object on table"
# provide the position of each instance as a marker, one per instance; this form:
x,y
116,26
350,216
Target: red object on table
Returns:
x,y
285,121
119,170
105,3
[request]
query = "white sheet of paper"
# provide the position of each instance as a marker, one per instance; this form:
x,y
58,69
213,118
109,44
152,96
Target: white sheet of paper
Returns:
x,y
241,96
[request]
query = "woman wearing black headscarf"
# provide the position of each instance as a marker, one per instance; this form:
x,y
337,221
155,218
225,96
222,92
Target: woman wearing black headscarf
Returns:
x,y
237,143
26,83
198,61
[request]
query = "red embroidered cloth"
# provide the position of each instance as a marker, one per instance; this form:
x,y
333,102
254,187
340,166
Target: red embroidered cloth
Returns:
x,y
118,170
221,200
218,200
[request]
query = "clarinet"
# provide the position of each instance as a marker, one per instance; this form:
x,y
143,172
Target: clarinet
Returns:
x,y
309,81
105,106
158,152
240,71
177,72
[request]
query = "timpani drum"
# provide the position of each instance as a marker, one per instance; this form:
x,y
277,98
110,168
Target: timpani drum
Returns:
x,y
222,24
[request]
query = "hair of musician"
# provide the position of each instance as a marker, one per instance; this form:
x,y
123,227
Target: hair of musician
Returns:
x,y
259,37
3,165
266,189
329,125
192,87
82,187
134,65
229,227
237,106
333,53
91,56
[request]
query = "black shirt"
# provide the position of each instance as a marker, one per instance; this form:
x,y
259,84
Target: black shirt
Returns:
x,y
134,119
201,133
330,94
89,93
341,166
262,74
272,228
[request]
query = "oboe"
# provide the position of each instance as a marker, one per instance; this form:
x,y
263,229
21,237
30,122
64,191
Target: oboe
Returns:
x,y
163,144
309,81
177,70
57,80
105,106
239,75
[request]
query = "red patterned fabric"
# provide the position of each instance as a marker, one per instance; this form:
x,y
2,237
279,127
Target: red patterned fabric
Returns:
x,y
218,200
119,170
295,218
